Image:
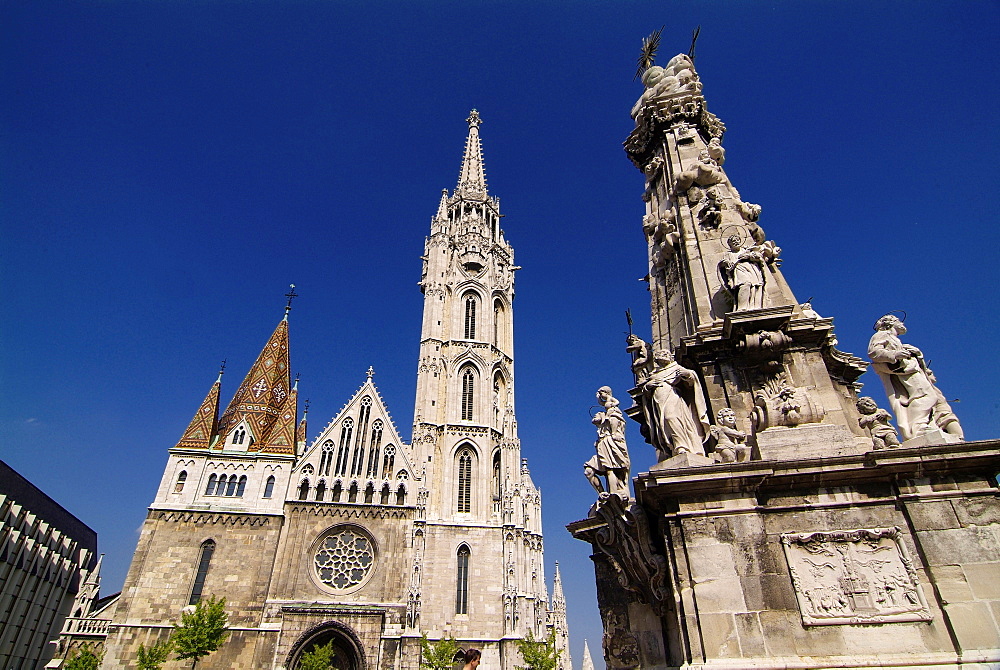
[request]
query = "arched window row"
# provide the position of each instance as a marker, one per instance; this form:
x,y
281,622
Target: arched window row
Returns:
x,y
354,493
231,486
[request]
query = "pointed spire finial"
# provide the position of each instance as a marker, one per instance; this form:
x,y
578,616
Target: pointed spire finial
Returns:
x,y
472,176
290,295
222,370
295,386
306,410
370,372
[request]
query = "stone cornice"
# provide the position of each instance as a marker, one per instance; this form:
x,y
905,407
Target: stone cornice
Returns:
x,y
659,487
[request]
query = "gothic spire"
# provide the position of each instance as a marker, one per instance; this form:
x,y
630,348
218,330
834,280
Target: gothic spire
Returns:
x,y
261,398
442,212
205,423
558,599
472,177
588,662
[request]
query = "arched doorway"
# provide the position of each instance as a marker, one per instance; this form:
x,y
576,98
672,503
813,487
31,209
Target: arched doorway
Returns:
x,y
348,653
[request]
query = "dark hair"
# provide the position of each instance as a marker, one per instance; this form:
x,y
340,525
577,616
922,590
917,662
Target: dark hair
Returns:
x,y
472,654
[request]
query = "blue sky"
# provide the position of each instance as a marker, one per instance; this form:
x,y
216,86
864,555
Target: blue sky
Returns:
x,y
168,168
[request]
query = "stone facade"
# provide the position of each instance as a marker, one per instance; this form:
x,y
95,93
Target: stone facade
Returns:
x,y
797,531
359,538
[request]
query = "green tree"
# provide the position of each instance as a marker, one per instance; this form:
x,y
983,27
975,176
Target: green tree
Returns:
x,y
439,655
541,655
154,656
201,631
84,659
318,658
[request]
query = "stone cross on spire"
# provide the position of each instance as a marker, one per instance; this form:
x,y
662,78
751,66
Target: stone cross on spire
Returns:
x,y
370,372
472,176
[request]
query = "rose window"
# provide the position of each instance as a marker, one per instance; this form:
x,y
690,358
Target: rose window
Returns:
x,y
344,557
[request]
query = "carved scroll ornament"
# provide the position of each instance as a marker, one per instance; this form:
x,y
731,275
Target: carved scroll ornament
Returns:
x,y
625,541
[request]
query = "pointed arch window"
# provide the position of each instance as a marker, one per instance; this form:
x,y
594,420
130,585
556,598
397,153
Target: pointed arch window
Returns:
x,y
320,491
207,549
468,393
470,316
346,430
269,487
373,449
352,493
358,459
401,495
464,481
304,489
496,481
462,580
369,493
181,478
337,490
388,462
210,489
239,435
327,459
385,494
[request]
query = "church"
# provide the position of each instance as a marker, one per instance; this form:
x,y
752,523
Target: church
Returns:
x,y
356,537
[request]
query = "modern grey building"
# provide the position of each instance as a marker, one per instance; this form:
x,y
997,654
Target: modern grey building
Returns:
x,y
43,551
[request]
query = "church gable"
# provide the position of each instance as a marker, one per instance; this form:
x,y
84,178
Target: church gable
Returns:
x,y
359,456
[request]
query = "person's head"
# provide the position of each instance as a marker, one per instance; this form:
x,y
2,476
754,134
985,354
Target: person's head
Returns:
x,y
663,356
734,241
472,657
726,417
866,405
890,322
604,393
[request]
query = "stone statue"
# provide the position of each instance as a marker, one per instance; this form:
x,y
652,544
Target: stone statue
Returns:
x,y
742,273
641,358
704,172
611,459
675,408
876,421
731,442
916,401
716,151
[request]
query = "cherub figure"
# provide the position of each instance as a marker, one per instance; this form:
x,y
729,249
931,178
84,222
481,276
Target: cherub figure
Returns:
x,y
641,358
731,442
876,421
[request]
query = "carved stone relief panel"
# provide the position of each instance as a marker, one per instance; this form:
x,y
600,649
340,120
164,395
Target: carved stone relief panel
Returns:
x,y
854,576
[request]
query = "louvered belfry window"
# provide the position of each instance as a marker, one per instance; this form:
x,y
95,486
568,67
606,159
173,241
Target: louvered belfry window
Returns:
x,y
465,481
470,317
468,393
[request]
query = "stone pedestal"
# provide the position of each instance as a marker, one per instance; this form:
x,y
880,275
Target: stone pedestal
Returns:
x,y
886,558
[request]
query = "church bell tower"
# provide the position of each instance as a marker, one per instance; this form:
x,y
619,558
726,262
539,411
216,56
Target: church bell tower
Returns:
x,y
477,503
